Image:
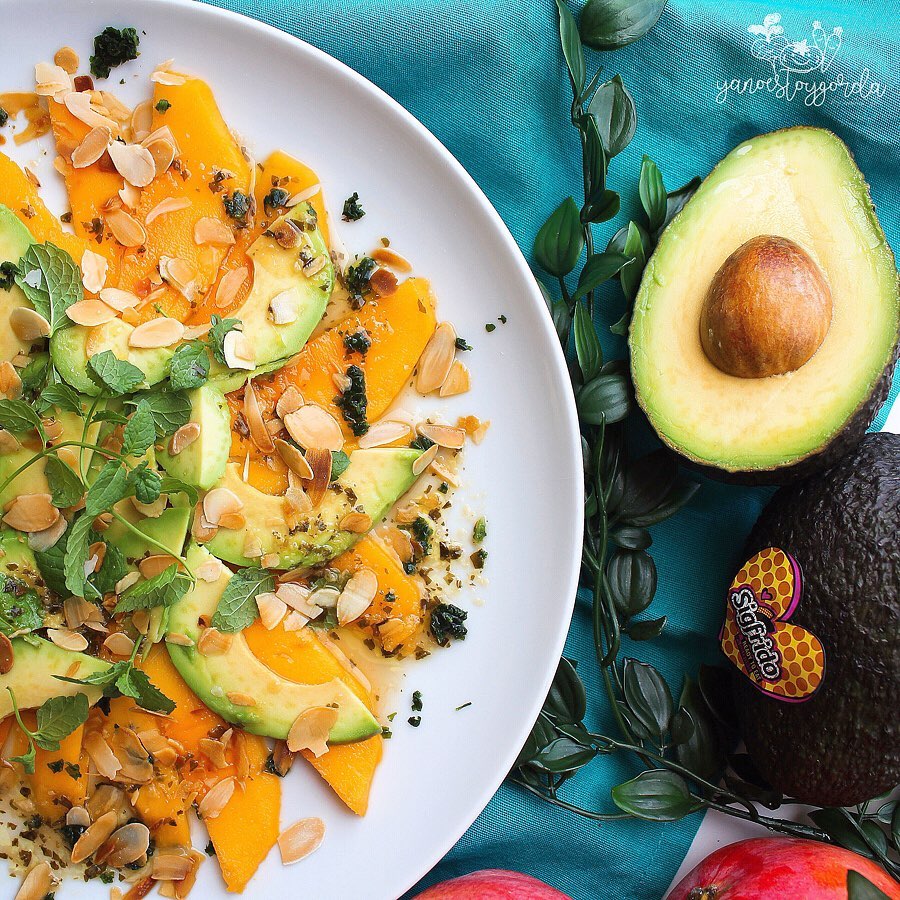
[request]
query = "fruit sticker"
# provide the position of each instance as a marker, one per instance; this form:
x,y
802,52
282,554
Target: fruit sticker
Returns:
x,y
782,659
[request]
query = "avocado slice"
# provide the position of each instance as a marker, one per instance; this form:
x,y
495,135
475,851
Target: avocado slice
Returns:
x,y
170,529
278,701
373,482
837,747
800,185
203,462
15,239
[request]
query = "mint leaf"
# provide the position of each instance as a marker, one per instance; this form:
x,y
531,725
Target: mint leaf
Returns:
x,y
27,759
21,610
109,487
113,569
237,607
66,488
135,684
116,376
169,410
339,463
17,415
162,590
145,483
62,396
140,432
51,564
189,367
76,554
109,415
34,375
172,485
215,337
58,717
51,280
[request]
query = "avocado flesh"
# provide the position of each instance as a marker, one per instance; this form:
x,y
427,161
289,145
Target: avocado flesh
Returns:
x,y
842,745
374,481
237,671
203,462
169,529
801,184
15,239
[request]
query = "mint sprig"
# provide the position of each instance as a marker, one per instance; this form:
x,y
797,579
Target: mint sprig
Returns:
x,y
51,280
237,607
162,590
57,718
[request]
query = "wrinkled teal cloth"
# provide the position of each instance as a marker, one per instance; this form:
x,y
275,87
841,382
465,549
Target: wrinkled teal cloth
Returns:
x,y
487,78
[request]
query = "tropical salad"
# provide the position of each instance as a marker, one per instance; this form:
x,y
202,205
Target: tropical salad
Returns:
x,y
218,517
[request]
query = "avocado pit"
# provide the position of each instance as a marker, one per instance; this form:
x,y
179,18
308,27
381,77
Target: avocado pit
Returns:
x,y
767,310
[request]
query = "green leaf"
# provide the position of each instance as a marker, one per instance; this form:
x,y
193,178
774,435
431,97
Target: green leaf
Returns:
x,y
860,888
602,207
632,581
66,488
109,415
677,199
51,280
62,396
76,554
542,734
605,399
215,337
237,607
19,416
115,376
630,275
612,106
563,755
587,344
596,163
876,838
136,684
145,483
648,696
657,795
701,751
140,431
51,564
599,268
653,193
108,488
339,463
647,630
560,240
58,717
112,571
169,410
189,367
632,538
571,46
34,375
170,485
21,609
609,24
27,759
895,826
567,700
841,828
162,590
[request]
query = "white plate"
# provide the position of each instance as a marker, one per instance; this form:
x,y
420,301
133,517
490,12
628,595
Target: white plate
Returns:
x,y
526,476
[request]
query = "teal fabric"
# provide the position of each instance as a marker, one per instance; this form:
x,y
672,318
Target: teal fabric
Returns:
x,y
487,78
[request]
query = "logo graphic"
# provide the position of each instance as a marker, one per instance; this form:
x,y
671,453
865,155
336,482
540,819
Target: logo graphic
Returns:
x,y
780,658
800,68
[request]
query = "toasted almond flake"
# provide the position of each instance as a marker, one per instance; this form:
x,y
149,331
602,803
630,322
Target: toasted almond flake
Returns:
x,y
79,104
161,332
311,729
304,195
38,883
425,460
238,351
180,274
21,360
130,195
93,271
381,433
313,427
357,596
300,598
209,230
201,529
78,815
299,840
216,799
341,381
9,443
229,286
213,642
314,266
140,618
253,416
320,462
163,152
28,325
127,581
7,656
192,332
219,502
125,228
151,566
443,435
252,546
391,259
164,75
456,382
151,510
240,699
10,381
67,59
285,307
31,512
90,313
325,597
184,437
51,79
214,751
164,207
119,644
290,401
179,639
170,866
210,570
294,621
124,846
68,640
41,541
53,429
133,162
296,503
436,359
356,522
444,474
271,609
119,299
293,459
142,120
115,107
92,147
106,764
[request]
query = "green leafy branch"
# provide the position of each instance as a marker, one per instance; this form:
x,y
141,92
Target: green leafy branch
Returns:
x,y
57,718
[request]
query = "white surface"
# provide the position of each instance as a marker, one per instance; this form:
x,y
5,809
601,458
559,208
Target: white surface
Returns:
x,y
719,830
279,92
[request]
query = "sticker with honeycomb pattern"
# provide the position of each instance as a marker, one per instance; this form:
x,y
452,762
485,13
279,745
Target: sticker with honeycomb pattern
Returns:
x,y
781,659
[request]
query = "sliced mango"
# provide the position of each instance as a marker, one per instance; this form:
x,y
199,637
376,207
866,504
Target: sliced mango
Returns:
x,y
55,791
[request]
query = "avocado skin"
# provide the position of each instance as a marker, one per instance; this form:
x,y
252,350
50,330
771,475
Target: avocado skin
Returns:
x,y
841,746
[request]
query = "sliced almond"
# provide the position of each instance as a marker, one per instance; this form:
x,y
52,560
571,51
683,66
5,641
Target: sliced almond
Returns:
x,y
271,609
299,840
219,502
407,513
163,153
238,698
325,597
425,460
151,510
213,642
290,401
156,564
38,883
293,459
119,644
304,195
311,729
51,79
391,259
170,866
115,107
142,120
91,839
238,351
130,195
10,381
314,266
320,462
9,443
214,751
31,512
299,598
184,437
67,59
92,147
78,815
294,621
192,332
443,435
180,274
126,581
103,759
208,230
133,162
79,104
229,286
285,307
93,271
163,74
382,433
232,520
216,799
179,639
161,332
356,522
28,325
456,382
164,207
7,657
210,571
42,541
90,313
201,529
282,758
436,359
124,846
357,596
68,640
125,228
313,427
254,418
118,299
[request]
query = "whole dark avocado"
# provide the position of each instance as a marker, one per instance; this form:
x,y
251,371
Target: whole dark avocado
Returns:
x,y
840,746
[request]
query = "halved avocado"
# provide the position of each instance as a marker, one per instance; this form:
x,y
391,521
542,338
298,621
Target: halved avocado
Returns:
x,y
765,331
15,239
372,483
277,701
